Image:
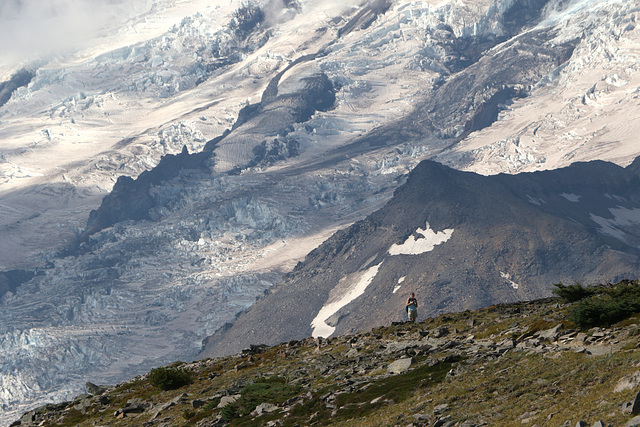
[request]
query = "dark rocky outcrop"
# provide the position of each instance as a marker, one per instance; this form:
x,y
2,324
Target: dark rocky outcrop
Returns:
x,y
17,80
11,280
365,16
131,199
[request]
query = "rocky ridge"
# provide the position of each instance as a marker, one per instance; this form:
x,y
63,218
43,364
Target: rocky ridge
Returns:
x,y
460,240
522,363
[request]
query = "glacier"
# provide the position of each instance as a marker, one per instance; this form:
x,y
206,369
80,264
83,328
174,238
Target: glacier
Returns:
x,y
176,74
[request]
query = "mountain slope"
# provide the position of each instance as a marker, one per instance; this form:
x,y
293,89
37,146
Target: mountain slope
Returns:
x,y
186,239
460,241
509,364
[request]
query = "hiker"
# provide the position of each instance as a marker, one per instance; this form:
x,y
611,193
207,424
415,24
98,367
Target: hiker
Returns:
x,y
412,307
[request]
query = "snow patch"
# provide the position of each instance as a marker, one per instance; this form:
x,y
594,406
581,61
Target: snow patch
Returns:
x,y
535,201
399,285
571,197
417,246
320,328
622,217
507,277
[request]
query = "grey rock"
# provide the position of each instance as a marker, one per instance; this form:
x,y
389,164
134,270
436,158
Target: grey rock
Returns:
x,y
83,402
421,417
264,408
130,408
635,407
399,366
228,399
598,424
628,382
95,390
198,403
440,332
549,334
443,422
440,409
104,400
633,422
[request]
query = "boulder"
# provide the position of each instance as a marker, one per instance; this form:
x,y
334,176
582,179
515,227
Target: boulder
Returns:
x,y
628,382
264,408
549,334
440,332
421,417
93,389
399,366
443,422
197,403
228,399
635,407
440,409
633,422
130,408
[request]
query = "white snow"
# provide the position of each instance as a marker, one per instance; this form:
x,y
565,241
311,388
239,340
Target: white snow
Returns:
x,y
615,227
419,245
571,197
507,277
336,302
580,112
534,200
125,96
399,285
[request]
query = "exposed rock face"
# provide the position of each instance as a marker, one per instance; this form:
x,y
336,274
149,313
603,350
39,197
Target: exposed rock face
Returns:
x,y
17,80
133,200
11,280
460,241
260,128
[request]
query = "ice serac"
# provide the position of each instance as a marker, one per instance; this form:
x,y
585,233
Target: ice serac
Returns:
x,y
504,248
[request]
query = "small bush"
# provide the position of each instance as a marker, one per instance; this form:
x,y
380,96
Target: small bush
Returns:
x,y
230,411
573,293
617,303
169,378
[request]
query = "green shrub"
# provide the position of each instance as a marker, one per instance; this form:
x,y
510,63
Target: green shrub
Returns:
x,y
573,293
230,411
169,378
615,304
274,390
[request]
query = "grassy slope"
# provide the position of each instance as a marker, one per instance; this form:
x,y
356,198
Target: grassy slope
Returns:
x,y
481,379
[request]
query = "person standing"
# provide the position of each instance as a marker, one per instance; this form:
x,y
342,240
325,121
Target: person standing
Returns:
x,y
412,307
